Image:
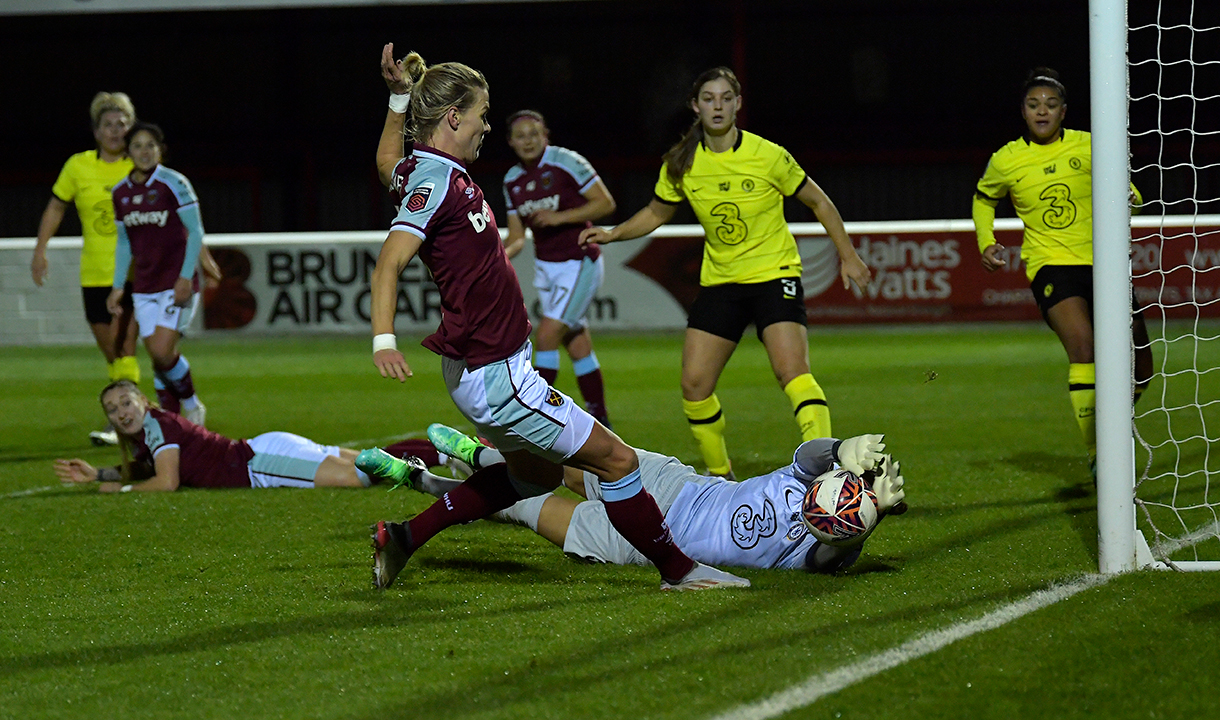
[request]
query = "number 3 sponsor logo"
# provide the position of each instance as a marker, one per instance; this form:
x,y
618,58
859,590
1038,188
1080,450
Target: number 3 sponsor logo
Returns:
x,y
1062,212
732,229
104,224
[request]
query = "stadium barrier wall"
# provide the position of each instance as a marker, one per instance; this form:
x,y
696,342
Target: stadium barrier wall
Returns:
x,y
923,271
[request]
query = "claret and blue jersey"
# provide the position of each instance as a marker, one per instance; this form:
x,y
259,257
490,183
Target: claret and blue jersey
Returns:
x,y
556,182
156,217
484,317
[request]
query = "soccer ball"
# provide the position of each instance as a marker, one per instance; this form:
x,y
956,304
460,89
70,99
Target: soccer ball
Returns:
x,y
839,507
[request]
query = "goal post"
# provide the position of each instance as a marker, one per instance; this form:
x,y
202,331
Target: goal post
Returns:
x,y
1112,286
1155,78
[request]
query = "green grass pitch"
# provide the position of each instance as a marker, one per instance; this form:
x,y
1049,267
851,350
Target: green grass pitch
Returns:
x,y
257,604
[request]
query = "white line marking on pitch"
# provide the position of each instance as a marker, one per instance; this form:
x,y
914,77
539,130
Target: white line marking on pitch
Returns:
x,y
823,684
380,441
34,491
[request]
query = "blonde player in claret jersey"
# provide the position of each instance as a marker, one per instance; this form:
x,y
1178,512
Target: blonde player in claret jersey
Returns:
x,y
556,193
736,183
86,181
162,452
483,338
160,234
1047,174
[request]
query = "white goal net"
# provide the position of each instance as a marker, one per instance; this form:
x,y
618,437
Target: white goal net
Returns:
x,y
1173,57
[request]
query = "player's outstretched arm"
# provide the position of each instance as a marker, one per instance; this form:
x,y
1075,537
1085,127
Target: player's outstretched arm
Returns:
x,y
164,478
76,471
654,215
814,457
851,267
396,252
390,149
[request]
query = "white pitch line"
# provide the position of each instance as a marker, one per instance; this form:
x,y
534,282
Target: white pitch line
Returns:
x,y
823,684
380,441
33,491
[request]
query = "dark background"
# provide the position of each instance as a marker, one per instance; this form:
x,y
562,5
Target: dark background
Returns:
x,y
892,106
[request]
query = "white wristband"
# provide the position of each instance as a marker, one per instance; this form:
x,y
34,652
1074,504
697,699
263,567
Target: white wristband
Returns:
x,y
384,341
400,103
125,488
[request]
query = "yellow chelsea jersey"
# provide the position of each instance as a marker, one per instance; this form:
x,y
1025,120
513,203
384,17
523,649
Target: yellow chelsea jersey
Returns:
x,y
87,180
738,196
1051,187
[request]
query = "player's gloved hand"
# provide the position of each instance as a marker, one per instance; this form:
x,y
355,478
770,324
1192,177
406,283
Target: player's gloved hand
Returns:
x,y
861,453
887,486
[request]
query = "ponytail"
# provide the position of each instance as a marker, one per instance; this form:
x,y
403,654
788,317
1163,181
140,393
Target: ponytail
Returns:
x,y
434,90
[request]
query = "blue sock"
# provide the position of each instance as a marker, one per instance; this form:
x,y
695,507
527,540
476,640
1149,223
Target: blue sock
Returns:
x,y
624,488
179,377
585,365
548,359
179,370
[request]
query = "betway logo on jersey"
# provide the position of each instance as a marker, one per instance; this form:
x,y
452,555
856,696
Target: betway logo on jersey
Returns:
x,y
529,207
480,220
155,217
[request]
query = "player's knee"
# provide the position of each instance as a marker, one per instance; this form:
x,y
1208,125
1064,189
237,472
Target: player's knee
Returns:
x,y
609,457
161,359
697,387
784,376
623,459
571,335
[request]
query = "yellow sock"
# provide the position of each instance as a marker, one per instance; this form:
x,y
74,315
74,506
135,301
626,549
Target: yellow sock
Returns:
x,y
809,406
1083,392
125,368
707,425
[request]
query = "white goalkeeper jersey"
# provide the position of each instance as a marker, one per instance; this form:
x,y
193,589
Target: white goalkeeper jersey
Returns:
x,y
753,523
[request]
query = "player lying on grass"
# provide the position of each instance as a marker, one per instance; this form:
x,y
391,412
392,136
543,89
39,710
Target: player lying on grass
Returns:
x,y
166,452
753,523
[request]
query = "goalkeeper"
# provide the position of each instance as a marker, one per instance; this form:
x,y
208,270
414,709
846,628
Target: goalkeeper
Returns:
x,y
754,523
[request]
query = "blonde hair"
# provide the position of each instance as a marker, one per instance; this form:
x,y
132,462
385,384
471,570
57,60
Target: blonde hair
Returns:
x,y
436,89
105,102
126,444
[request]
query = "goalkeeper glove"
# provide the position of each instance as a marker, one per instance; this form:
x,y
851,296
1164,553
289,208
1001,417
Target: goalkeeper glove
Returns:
x,y
861,453
888,487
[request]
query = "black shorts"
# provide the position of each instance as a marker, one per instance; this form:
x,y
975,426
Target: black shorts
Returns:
x,y
726,310
95,303
1053,284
